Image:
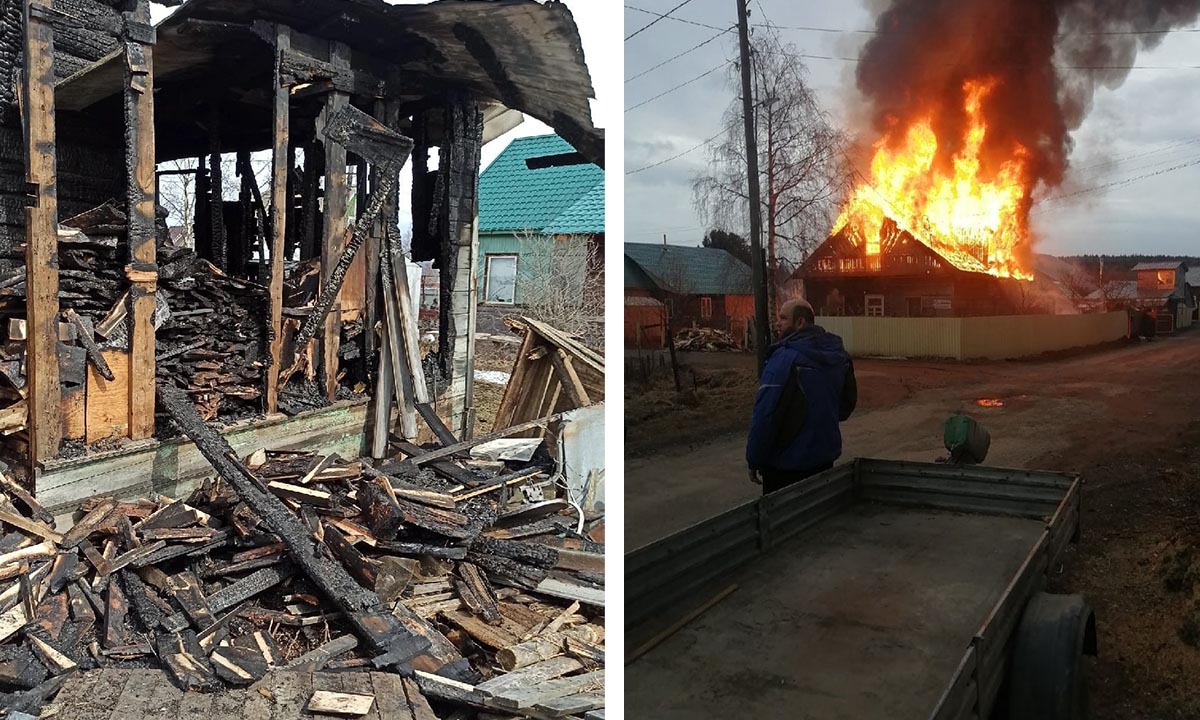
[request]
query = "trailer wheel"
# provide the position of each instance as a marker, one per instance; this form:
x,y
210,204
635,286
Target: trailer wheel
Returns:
x,y
1047,671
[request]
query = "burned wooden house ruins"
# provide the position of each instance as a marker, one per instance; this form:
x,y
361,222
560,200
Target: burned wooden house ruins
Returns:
x,y
232,461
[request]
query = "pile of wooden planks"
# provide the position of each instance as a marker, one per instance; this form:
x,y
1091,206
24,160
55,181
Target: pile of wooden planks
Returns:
x,y
554,372
214,342
484,585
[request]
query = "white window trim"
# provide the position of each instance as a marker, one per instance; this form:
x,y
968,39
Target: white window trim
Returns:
x,y
487,276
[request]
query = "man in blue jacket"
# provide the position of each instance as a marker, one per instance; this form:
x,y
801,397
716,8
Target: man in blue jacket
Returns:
x,y
807,388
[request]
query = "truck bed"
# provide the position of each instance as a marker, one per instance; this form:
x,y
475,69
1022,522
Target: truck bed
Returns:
x,y
864,615
876,589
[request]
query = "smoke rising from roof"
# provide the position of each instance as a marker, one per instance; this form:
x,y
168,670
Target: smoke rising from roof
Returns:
x,y
1049,57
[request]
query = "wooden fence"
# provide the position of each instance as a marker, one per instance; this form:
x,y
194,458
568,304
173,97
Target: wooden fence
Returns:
x,y
968,338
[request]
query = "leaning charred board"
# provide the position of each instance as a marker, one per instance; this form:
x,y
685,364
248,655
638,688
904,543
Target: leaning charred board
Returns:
x,y
377,627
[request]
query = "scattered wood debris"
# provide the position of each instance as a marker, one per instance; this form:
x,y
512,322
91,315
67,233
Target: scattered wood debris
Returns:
x,y
701,339
301,562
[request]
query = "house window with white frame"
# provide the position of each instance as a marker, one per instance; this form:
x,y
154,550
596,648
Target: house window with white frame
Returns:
x,y
500,279
706,307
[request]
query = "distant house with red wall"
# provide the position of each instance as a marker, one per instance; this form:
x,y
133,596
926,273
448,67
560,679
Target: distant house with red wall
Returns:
x,y
696,286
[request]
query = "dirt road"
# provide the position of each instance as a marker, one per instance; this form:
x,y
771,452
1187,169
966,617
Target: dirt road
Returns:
x,y
1125,418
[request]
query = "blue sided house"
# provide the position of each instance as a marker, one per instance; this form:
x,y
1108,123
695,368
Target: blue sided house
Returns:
x,y
538,191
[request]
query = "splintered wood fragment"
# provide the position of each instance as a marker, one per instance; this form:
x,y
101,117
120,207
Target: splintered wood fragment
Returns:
x,y
36,511
42,551
446,689
192,534
524,698
426,497
88,523
579,560
318,468
557,622
238,665
477,593
584,650
381,512
12,621
571,704
116,608
175,515
361,567
57,662
436,520
310,496
492,636
189,672
316,659
529,653
251,564
189,594
567,590
96,559
62,571
264,644
529,676
135,554
234,594
444,436
498,482
565,370
437,551
324,701
87,339
28,601
81,609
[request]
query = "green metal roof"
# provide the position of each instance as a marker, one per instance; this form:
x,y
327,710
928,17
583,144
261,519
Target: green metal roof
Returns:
x,y
585,217
512,197
689,270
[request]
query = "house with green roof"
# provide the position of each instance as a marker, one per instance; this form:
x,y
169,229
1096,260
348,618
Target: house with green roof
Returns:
x,y
536,198
697,286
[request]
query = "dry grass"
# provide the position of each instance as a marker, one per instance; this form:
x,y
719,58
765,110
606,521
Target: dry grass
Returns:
x,y
713,402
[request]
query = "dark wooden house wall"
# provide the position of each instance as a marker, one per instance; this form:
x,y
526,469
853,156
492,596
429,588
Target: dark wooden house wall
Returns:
x,y
921,296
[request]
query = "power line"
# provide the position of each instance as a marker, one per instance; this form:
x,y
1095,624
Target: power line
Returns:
x,y
651,24
672,89
1116,183
679,55
1117,161
676,156
661,16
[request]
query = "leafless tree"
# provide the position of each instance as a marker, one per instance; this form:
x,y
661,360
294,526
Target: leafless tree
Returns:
x,y
177,193
560,282
803,169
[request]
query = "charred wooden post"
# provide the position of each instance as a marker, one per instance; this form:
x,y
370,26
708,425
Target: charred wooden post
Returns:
x,y
459,166
140,183
41,236
373,622
216,205
314,168
337,200
280,202
351,129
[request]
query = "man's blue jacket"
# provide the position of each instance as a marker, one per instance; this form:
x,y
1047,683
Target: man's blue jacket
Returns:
x,y
807,388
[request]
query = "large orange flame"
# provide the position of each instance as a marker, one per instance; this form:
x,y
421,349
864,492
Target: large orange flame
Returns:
x,y
974,218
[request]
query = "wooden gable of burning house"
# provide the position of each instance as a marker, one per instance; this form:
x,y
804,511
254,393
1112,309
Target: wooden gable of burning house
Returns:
x,y
899,253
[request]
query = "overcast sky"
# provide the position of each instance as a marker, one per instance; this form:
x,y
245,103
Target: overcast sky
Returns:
x,y
1151,112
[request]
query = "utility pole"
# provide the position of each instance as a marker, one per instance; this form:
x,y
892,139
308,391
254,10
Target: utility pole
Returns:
x,y
762,332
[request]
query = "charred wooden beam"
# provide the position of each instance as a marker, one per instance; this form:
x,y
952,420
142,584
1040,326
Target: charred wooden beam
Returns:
x,y
280,202
41,236
355,130
373,623
140,194
477,593
234,594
